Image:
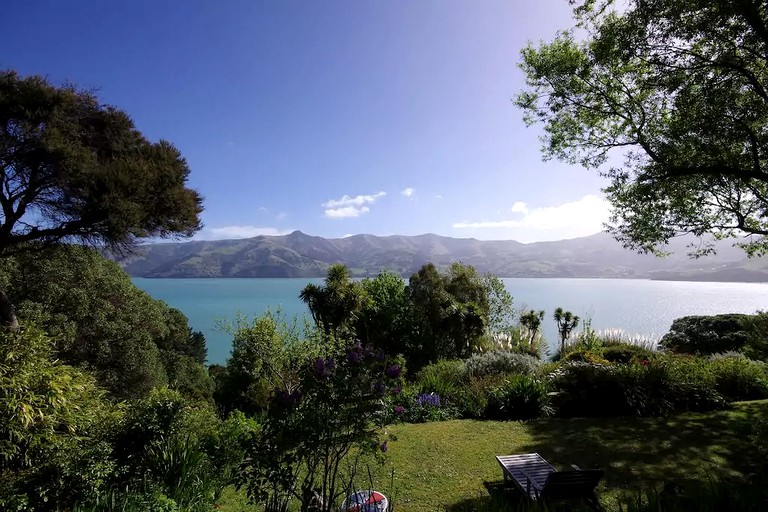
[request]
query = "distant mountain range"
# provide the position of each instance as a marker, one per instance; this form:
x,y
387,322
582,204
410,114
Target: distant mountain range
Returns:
x,y
302,255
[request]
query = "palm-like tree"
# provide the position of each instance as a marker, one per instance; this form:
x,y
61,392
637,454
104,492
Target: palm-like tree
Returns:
x,y
566,322
532,321
334,305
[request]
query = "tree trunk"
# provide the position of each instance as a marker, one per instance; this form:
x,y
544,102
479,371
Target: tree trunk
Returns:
x,y
7,313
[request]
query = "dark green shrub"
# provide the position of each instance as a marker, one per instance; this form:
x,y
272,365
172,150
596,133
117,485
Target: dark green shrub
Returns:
x,y
161,447
698,496
651,388
472,399
521,397
626,353
424,407
588,390
757,333
500,363
739,378
707,334
583,356
443,377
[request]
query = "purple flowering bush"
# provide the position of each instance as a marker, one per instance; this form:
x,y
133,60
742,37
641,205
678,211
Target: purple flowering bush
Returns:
x,y
411,406
339,405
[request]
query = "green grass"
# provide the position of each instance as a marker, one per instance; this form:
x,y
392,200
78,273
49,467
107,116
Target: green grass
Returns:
x,y
450,465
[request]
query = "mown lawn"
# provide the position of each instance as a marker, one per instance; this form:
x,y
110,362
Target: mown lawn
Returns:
x,y
450,465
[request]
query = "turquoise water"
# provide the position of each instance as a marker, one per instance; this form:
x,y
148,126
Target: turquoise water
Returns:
x,y
638,307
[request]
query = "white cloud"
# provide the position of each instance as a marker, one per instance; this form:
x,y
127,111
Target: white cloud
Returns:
x,y
408,192
519,207
349,206
346,212
438,196
239,231
587,214
281,216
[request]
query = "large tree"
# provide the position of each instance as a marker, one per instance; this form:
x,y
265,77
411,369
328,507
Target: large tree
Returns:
x,y
679,90
450,312
75,170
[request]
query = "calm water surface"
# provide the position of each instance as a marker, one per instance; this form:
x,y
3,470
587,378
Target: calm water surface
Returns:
x,y
639,307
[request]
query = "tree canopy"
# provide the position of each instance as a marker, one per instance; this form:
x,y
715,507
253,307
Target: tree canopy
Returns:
x,y
102,323
679,90
72,168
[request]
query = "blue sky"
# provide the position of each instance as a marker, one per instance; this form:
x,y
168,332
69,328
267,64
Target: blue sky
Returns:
x,y
335,118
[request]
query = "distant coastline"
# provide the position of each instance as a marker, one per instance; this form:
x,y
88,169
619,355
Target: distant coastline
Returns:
x,y
299,255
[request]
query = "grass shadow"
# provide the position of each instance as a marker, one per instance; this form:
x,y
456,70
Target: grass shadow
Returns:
x,y
642,452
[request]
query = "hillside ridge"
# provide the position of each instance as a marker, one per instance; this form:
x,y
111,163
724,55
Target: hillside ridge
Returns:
x,y
298,254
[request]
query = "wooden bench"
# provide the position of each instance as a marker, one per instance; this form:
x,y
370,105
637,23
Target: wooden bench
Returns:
x,y
539,480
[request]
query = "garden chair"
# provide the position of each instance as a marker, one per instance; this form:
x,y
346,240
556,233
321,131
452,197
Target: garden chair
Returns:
x,y
540,481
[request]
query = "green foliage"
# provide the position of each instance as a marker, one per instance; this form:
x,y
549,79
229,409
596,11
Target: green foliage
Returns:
x,y
49,413
101,322
500,363
531,321
266,353
443,377
501,311
706,334
384,321
652,388
518,339
739,378
626,353
187,376
165,445
584,356
422,407
450,312
85,170
676,88
521,397
697,496
756,327
566,322
335,305
336,407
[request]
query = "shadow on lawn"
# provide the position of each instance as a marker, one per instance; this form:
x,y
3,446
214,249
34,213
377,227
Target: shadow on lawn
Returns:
x,y
504,499
642,452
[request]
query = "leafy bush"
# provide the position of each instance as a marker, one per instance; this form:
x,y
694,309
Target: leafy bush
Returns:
x,y
338,406
756,327
521,397
412,406
500,363
585,356
101,322
443,377
50,415
626,353
164,445
739,378
698,496
707,334
657,387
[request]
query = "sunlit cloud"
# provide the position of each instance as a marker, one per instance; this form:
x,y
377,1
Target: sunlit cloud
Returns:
x,y
349,206
588,214
408,192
